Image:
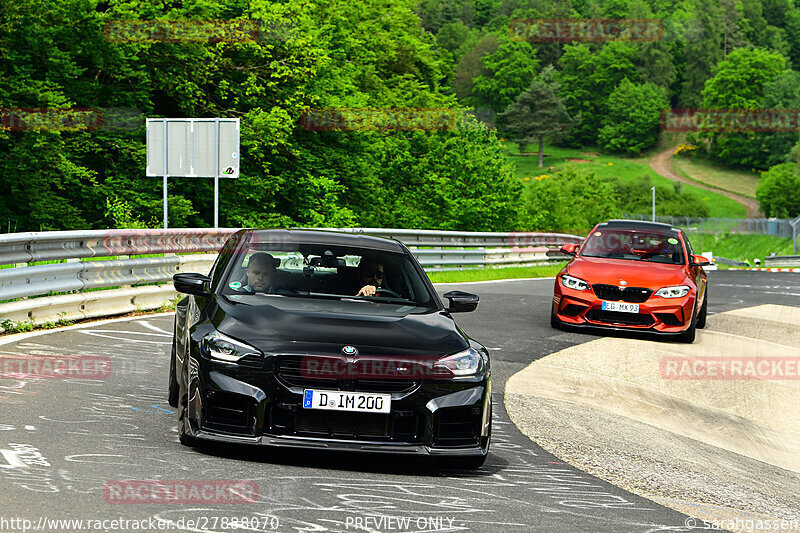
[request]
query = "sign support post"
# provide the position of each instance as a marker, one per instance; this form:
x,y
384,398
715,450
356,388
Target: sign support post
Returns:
x,y
193,148
166,210
216,175
654,203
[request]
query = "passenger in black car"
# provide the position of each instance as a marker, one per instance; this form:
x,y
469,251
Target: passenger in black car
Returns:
x,y
370,276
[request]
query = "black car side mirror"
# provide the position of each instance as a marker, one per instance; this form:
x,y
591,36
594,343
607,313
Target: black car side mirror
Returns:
x,y
191,283
462,302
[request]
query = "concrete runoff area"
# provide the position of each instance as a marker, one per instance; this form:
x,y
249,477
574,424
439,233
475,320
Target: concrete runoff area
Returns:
x,y
715,448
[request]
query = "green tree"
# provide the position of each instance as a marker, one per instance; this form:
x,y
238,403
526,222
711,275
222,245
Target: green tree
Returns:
x,y
704,49
590,200
507,72
587,80
671,200
632,121
778,191
738,83
335,54
470,66
538,114
780,93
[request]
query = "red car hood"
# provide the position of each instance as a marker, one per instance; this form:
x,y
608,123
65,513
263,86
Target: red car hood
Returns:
x,y
635,273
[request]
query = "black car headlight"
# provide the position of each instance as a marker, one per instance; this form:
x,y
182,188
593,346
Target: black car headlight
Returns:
x,y
223,348
466,363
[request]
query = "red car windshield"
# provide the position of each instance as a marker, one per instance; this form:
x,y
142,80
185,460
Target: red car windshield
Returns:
x,y
635,245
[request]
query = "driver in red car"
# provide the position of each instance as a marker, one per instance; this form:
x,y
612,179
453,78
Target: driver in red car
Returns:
x,y
370,276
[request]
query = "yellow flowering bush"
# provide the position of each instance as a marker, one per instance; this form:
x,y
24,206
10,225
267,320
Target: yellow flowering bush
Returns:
x,y
685,150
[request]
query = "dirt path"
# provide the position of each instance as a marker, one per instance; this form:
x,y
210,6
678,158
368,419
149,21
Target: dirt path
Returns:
x,y
662,164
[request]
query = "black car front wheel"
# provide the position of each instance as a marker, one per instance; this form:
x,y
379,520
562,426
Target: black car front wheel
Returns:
x,y
183,418
172,395
555,323
468,462
701,319
688,336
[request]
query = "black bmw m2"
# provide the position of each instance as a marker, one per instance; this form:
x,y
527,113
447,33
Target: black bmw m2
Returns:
x,y
327,340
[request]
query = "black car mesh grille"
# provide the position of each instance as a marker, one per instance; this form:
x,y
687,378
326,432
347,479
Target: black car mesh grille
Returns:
x,y
615,317
290,371
669,319
458,426
621,294
399,426
384,385
342,425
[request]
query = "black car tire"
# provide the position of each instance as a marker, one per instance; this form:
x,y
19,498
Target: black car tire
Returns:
x,y
172,397
689,335
186,440
555,323
701,319
468,462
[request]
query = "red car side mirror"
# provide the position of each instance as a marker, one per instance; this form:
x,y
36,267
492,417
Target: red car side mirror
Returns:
x,y
699,260
570,249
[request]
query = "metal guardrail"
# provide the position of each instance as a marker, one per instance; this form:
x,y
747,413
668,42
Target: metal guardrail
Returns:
x,y
782,261
421,237
18,248
49,292
729,262
64,277
778,227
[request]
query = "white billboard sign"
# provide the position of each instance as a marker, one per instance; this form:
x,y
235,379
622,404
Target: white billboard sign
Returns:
x,y
193,148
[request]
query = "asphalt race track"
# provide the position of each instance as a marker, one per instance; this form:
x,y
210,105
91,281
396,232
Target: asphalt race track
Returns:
x,y
63,441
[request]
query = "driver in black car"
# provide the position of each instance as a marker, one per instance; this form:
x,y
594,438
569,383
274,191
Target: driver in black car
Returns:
x,y
370,276
260,273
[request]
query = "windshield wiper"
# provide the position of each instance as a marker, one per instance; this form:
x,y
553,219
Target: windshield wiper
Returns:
x,y
381,300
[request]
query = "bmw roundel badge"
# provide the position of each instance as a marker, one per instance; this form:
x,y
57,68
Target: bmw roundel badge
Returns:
x,y
350,350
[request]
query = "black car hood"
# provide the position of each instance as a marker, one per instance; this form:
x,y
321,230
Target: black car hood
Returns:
x,y
283,326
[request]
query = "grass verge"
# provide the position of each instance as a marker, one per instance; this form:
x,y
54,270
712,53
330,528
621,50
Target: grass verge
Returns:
x,y
490,273
729,180
613,167
740,247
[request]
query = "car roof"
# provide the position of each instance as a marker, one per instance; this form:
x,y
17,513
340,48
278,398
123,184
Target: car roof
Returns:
x,y
324,237
637,224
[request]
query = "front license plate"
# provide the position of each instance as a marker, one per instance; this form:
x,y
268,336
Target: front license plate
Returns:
x,y
362,402
622,307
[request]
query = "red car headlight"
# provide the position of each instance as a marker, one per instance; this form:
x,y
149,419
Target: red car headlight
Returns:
x,y
679,291
574,283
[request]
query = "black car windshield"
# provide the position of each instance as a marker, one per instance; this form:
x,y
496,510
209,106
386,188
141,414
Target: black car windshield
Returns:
x,y
315,271
636,245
